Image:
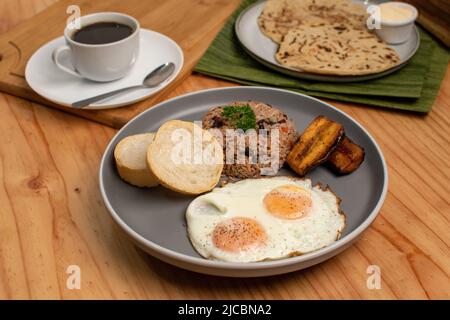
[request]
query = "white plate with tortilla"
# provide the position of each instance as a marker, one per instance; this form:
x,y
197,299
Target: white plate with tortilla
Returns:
x,y
263,49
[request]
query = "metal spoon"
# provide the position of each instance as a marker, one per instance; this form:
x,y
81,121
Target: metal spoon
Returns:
x,y
153,79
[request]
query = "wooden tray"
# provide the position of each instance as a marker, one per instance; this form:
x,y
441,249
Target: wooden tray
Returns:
x,y
192,24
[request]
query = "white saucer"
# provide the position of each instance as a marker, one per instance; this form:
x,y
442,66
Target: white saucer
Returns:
x,y
57,86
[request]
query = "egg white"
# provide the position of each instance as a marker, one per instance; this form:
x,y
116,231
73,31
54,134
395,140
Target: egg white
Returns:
x,y
285,237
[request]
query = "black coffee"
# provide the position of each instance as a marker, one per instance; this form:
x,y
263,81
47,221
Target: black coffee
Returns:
x,y
102,32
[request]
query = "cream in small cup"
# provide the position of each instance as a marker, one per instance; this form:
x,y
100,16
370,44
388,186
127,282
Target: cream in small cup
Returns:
x,y
396,21
105,48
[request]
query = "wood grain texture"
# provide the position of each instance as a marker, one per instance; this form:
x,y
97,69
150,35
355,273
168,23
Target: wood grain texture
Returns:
x,y
192,24
52,215
434,16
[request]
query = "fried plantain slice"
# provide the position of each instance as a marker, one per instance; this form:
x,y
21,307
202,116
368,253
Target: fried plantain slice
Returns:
x,y
346,158
315,145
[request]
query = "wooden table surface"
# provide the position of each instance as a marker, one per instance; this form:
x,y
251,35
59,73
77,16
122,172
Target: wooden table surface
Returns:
x,y
52,215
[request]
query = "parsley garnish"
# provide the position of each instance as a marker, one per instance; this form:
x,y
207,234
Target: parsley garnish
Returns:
x,y
241,116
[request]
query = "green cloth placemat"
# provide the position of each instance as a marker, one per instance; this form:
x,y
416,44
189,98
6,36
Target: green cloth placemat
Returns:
x,y
414,87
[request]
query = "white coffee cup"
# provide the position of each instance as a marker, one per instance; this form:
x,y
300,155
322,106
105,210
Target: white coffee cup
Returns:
x,y
100,62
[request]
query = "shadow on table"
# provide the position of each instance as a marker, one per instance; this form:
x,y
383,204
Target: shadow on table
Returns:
x,y
197,285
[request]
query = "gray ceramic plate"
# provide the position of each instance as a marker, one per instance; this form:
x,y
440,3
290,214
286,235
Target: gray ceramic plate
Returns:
x,y
263,49
154,218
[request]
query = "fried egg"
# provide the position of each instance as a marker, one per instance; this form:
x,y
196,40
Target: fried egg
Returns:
x,y
264,219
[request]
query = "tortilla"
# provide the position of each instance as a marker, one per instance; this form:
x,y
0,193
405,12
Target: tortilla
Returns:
x,y
279,16
335,49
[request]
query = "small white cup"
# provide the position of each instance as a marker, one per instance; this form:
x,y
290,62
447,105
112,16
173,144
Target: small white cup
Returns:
x,y
396,32
100,62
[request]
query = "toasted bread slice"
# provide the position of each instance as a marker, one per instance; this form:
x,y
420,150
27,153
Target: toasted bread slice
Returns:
x,y
185,158
131,160
315,145
346,158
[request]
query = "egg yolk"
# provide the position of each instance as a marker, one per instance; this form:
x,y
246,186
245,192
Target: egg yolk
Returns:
x,y
288,202
239,233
